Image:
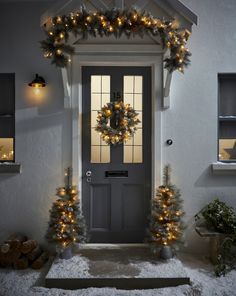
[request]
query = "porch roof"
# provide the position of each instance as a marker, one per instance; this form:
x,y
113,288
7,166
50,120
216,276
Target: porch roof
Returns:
x,y
170,7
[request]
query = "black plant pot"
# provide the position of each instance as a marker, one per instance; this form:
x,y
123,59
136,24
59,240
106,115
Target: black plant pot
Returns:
x,y
166,252
66,253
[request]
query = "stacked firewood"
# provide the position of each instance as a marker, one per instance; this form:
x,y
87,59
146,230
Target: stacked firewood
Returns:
x,y
20,253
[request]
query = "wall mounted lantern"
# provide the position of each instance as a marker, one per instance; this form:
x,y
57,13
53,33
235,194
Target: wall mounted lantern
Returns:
x,y
37,83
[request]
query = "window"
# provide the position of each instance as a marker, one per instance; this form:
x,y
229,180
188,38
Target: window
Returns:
x,y
100,95
227,118
133,95
7,117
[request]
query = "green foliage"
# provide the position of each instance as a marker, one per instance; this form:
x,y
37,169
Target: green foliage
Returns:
x,y
114,22
67,224
221,218
123,122
166,225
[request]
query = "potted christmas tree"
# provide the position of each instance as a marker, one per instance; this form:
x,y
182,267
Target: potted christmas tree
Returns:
x,y
166,226
66,225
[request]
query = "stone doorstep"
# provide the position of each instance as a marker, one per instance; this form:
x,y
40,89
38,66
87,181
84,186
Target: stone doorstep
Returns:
x,y
118,283
119,267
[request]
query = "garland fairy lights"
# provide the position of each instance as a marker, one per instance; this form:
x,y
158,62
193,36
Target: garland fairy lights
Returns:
x,y
114,22
123,119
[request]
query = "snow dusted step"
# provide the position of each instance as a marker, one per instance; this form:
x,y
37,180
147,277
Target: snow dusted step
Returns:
x,y
119,267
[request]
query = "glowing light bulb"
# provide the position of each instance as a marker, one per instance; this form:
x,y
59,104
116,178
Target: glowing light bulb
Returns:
x,y
59,19
119,21
89,19
36,91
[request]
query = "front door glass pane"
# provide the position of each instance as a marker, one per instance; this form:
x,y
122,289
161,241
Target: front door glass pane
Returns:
x,y
133,95
100,95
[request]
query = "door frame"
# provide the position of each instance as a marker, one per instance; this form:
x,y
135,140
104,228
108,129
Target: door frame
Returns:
x,y
118,55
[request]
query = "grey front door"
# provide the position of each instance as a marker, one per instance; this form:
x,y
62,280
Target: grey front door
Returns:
x,y
116,183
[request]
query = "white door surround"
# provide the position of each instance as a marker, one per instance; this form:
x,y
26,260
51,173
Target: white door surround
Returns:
x,y
117,55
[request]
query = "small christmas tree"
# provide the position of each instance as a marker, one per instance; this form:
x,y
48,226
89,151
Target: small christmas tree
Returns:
x,y
166,227
66,225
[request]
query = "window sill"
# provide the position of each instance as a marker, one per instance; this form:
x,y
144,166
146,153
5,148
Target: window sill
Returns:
x,y
10,168
222,168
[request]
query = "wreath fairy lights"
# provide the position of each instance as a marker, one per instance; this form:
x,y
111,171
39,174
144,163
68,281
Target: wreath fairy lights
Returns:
x,y
114,22
116,122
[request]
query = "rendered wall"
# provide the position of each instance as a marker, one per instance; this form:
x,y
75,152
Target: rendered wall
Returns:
x,y
192,119
43,129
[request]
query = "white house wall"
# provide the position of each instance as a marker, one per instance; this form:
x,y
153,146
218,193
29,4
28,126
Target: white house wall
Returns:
x,y
43,131
192,119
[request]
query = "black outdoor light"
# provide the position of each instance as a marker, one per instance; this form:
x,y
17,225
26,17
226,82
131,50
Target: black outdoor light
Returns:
x,y
38,82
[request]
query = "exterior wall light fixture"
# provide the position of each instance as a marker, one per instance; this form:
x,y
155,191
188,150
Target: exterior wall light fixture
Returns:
x,y
37,83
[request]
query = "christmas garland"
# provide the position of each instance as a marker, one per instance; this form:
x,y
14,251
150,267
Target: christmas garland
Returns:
x,y
114,22
123,120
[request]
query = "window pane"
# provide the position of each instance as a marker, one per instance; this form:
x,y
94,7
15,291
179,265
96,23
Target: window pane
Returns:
x,y
106,84
227,149
138,84
94,115
129,142
138,154
105,154
138,104
138,137
96,84
100,95
133,95
6,149
105,99
95,137
128,84
129,99
95,101
7,116
95,154
140,117
128,154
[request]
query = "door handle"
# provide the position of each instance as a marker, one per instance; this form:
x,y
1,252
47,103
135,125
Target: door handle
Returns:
x,y
88,173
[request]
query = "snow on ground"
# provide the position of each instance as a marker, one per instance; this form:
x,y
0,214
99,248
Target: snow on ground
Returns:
x,y
79,267
29,283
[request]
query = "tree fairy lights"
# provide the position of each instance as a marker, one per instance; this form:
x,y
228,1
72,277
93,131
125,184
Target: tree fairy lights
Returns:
x,y
66,225
166,211
116,122
114,22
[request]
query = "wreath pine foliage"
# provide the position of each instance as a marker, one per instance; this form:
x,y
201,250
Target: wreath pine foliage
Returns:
x,y
116,122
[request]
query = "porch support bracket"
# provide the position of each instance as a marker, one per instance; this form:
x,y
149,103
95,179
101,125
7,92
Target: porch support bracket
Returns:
x,y
166,89
67,88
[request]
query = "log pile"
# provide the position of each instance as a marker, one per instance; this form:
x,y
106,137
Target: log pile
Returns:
x,y
20,253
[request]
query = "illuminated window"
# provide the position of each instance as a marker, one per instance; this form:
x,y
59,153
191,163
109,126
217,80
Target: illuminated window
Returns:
x,y
100,95
227,117
133,95
7,117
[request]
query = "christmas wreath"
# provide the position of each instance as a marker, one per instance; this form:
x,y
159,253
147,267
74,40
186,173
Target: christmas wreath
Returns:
x,y
116,122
